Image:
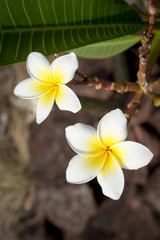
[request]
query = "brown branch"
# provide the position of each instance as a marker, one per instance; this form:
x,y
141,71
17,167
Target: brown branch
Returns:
x,y
153,86
145,48
142,87
134,105
81,75
155,98
101,84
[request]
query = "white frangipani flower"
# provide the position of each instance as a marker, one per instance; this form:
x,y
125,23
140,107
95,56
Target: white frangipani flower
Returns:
x,y
47,83
103,153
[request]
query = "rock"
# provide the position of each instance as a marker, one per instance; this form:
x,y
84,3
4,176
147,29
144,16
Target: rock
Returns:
x,y
3,124
67,206
123,220
33,233
136,177
17,205
143,136
154,120
50,152
152,191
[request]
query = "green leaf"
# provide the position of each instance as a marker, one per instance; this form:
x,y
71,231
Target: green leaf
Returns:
x,y
52,26
108,48
154,51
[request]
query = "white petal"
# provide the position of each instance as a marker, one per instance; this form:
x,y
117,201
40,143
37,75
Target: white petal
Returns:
x,y
31,89
111,178
66,99
38,67
63,68
44,106
83,169
112,128
131,155
83,140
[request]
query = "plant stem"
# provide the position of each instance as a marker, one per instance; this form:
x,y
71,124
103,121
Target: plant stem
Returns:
x,y
144,49
153,86
81,75
101,84
155,98
142,87
134,105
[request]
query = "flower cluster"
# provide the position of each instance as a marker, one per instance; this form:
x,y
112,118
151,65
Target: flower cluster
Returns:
x,y
102,153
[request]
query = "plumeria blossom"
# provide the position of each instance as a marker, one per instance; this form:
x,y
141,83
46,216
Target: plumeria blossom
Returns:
x,y
48,83
103,153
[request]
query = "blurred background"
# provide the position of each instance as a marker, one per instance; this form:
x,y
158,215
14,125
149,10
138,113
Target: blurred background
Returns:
x,y
36,202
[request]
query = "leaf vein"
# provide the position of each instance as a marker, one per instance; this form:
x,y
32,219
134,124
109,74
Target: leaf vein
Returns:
x,y
10,14
79,36
54,12
65,16
1,41
87,34
41,12
18,44
72,38
98,11
54,44
64,41
74,15
43,42
31,43
82,11
90,14
25,11
26,29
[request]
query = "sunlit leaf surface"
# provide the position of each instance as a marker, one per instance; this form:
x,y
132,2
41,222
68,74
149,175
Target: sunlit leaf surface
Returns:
x,y
51,26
